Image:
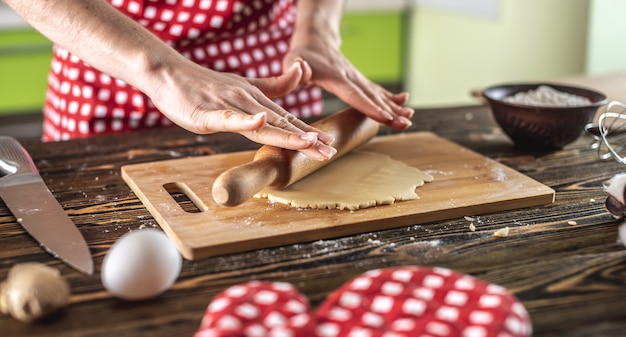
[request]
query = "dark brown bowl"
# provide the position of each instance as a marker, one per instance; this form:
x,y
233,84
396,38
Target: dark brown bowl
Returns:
x,y
542,128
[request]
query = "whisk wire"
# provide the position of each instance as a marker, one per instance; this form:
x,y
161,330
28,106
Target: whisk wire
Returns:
x,y
610,132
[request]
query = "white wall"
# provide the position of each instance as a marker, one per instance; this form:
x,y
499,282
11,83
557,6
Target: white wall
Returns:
x,y
607,37
451,53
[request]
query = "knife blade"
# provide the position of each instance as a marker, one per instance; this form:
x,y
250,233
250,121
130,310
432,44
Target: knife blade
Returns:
x,y
25,193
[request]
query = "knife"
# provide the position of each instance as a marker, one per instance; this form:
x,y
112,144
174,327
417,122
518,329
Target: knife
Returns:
x,y
24,192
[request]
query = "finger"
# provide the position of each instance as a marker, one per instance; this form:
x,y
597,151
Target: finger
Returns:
x,y
396,103
307,72
390,103
306,143
401,115
375,102
256,129
401,98
350,93
282,119
228,121
289,122
280,85
383,110
231,121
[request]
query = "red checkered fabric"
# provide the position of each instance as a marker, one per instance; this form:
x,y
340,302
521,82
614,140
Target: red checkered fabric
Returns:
x,y
248,38
406,301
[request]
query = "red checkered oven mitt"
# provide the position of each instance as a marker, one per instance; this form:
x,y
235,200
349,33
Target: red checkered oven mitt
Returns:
x,y
395,302
258,309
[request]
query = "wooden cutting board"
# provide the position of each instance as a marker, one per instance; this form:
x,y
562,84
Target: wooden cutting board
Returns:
x,y
466,183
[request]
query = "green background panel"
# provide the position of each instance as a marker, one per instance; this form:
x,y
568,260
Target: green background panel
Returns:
x,y
373,42
24,63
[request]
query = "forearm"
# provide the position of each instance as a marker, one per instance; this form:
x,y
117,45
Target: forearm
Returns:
x,y
318,19
101,36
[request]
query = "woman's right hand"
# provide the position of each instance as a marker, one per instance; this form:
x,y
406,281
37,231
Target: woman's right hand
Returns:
x,y
205,101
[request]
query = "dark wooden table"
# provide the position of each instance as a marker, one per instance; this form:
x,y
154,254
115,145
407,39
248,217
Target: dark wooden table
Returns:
x,y
571,278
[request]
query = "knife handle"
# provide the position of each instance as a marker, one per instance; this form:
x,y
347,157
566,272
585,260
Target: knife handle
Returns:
x,y
14,158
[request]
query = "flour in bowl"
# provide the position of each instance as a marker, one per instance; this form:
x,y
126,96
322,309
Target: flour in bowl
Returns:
x,y
547,96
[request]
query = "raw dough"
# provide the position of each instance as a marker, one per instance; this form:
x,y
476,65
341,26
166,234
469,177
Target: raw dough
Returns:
x,y
360,179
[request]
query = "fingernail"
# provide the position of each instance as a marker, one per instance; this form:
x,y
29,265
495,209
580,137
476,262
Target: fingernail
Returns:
x,y
309,136
405,121
256,120
327,151
385,114
326,138
410,112
295,65
259,116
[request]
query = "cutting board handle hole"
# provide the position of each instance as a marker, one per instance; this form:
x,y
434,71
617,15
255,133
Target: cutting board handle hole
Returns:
x,y
185,198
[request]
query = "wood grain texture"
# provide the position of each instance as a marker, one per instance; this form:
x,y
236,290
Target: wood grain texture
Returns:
x,y
466,183
571,278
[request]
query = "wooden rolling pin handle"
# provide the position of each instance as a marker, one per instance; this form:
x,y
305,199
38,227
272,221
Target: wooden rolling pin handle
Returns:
x,y
236,185
278,168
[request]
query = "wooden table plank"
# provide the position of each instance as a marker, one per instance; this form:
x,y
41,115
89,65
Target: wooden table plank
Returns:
x,y
562,260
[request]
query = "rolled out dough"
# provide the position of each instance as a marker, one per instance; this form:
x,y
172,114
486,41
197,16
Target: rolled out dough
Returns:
x,y
360,179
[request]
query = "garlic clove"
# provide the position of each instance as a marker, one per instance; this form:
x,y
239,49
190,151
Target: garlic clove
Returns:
x,y
33,291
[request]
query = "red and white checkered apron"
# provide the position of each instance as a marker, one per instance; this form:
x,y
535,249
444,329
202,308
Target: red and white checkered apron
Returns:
x,y
249,38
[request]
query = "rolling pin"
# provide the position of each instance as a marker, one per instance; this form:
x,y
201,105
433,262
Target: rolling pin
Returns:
x,y
278,168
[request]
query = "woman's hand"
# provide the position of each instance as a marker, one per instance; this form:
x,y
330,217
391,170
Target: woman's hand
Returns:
x,y
205,101
333,72
317,41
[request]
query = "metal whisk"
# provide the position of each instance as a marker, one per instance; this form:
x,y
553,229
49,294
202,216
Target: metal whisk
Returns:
x,y
610,132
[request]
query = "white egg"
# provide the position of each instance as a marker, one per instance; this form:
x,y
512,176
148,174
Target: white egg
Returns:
x,y
140,265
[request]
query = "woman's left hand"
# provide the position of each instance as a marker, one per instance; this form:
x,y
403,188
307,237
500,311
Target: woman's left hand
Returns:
x,y
317,42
